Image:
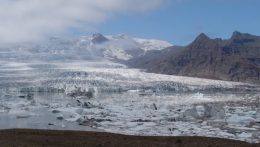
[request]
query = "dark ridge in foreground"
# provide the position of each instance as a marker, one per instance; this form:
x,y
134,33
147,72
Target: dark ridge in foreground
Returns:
x,y
234,59
47,138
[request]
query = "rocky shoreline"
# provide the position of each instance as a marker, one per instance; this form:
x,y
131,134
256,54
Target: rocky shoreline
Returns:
x,y
52,138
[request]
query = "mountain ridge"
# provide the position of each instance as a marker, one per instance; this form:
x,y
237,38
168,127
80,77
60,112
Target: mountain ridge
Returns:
x,y
234,59
95,47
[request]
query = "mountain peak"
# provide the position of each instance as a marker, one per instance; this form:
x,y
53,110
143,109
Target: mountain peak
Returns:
x,y
201,38
203,35
243,38
98,38
239,35
236,35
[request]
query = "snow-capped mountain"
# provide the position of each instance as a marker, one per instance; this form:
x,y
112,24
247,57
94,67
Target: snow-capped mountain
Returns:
x,y
95,47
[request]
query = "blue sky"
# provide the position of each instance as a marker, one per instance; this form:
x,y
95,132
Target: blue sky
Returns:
x,y
180,21
176,21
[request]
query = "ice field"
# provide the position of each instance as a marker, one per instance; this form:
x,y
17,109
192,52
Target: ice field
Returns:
x,y
107,96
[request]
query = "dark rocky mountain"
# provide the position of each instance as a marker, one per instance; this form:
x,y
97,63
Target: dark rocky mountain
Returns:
x,y
98,38
234,59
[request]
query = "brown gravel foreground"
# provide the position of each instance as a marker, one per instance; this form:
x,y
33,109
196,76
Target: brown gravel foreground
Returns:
x,y
47,138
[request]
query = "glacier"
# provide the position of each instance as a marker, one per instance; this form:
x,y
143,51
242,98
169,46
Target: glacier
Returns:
x,y
81,85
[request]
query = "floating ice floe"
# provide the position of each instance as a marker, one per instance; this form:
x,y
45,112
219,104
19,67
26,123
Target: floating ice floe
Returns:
x,y
110,97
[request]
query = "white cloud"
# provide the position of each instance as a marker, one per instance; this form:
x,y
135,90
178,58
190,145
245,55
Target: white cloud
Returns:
x,y
28,20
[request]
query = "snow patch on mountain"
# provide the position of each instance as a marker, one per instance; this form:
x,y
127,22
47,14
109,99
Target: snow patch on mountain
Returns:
x,y
152,44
